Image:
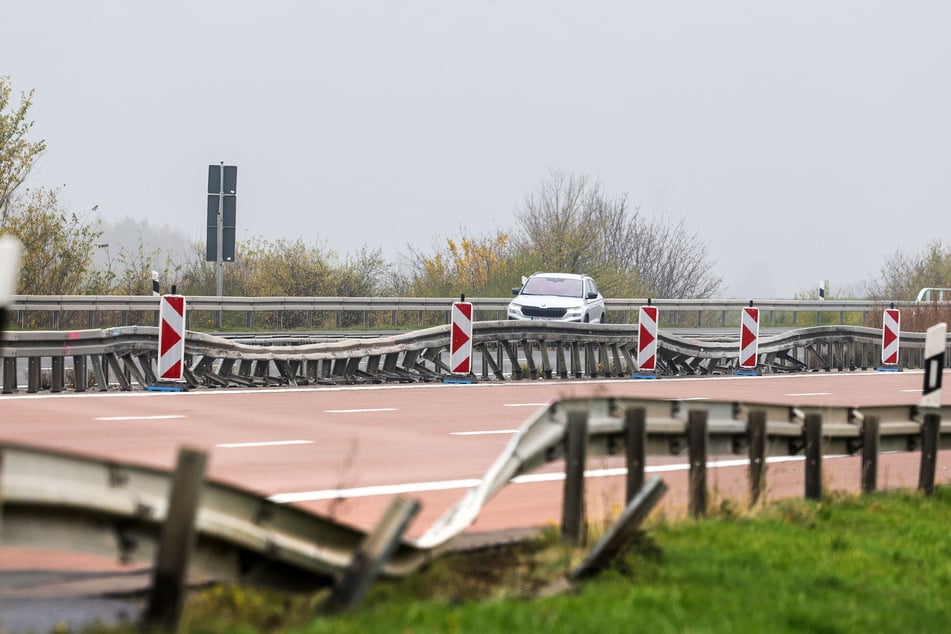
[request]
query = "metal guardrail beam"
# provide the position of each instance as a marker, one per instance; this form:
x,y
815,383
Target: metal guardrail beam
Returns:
x,y
63,500
125,357
214,303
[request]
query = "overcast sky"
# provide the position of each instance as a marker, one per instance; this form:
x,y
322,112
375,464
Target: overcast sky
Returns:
x,y
802,140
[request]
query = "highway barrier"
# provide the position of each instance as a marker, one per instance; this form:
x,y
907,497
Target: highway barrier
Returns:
x,y
56,312
126,358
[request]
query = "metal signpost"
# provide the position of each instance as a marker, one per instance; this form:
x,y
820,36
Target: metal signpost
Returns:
x,y
222,204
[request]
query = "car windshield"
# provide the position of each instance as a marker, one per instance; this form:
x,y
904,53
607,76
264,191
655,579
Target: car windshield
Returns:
x,y
558,286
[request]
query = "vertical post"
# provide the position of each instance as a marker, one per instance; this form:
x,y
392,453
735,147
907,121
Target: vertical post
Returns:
x,y
57,374
167,594
32,375
371,556
221,234
9,375
220,246
635,430
870,444
80,381
930,429
757,449
576,448
697,451
813,431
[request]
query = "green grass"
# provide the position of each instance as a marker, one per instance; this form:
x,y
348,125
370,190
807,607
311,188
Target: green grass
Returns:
x,y
878,563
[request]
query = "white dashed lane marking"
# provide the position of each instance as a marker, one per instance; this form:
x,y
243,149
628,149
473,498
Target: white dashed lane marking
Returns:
x,y
162,417
264,443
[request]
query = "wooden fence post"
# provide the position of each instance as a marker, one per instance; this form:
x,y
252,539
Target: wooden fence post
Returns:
x,y
870,445
371,556
757,450
813,431
622,531
635,430
930,430
167,594
576,448
697,451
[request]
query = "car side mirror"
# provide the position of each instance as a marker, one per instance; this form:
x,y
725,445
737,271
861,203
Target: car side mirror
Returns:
x,y
516,290
592,296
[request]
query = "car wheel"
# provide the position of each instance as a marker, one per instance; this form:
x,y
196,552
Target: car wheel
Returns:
x,y
587,318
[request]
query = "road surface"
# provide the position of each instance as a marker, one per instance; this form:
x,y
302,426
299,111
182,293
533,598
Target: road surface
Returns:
x,y
345,451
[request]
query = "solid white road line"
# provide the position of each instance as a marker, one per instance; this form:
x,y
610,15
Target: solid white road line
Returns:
x,y
360,411
811,394
265,443
524,404
483,433
161,417
422,487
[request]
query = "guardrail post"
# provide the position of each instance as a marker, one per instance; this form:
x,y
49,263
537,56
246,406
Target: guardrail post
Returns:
x,y
32,375
9,375
370,557
697,453
756,428
870,445
167,594
622,531
635,431
576,448
58,374
930,429
80,380
813,431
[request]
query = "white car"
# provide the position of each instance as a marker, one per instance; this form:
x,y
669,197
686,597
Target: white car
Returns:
x,y
558,297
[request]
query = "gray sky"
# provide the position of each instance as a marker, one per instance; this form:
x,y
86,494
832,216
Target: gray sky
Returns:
x,y
802,140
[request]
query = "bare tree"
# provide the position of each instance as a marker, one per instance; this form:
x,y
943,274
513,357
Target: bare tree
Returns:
x,y
571,225
904,275
671,260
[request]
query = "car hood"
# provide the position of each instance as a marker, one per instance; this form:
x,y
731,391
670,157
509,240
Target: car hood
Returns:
x,y
548,301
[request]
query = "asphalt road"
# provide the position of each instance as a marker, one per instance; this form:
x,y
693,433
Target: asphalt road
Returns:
x,y
346,451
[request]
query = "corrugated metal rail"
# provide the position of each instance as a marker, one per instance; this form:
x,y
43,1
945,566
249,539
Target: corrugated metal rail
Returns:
x,y
125,358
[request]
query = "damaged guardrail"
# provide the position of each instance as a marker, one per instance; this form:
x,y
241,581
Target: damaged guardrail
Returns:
x,y
125,358
63,500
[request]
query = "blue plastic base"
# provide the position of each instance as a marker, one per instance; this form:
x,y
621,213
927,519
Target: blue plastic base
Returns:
x,y
458,381
643,375
168,386
746,373
888,368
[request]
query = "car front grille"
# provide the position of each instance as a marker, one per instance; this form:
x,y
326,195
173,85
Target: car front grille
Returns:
x,y
543,313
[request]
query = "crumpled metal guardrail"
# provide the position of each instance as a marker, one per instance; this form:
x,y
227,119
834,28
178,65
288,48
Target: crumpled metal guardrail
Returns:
x,y
125,357
62,500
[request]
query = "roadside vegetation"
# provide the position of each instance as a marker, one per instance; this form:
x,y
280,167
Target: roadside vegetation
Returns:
x,y
875,563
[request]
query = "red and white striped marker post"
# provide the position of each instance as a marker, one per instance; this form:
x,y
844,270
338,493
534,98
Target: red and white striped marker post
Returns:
x,y
171,359
460,340
891,327
749,339
646,342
